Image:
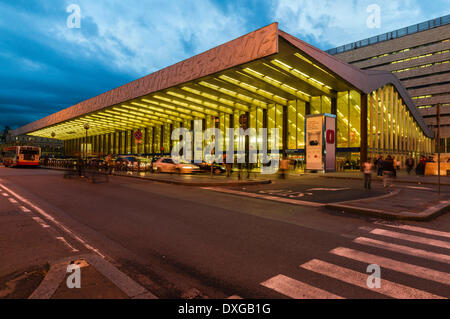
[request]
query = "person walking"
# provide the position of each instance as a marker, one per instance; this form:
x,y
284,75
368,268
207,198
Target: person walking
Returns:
x,y
409,163
388,171
284,166
367,170
109,164
227,165
379,164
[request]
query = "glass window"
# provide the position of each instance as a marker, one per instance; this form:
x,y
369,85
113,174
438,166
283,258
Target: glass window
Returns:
x,y
301,111
423,26
412,29
382,37
316,105
355,119
364,42
402,32
279,125
326,104
342,120
373,40
446,19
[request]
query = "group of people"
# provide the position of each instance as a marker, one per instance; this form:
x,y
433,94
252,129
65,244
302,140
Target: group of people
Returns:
x,y
386,168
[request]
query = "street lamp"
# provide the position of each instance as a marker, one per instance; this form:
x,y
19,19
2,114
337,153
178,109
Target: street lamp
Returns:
x,y
53,144
86,127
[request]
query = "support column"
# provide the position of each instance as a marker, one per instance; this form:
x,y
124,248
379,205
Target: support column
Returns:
x,y
285,129
146,141
364,141
119,146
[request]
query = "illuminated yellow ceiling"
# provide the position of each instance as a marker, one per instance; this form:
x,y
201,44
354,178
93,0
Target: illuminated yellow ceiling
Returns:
x,y
278,79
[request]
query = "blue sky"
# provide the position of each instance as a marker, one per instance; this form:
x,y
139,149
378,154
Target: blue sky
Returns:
x,y
46,66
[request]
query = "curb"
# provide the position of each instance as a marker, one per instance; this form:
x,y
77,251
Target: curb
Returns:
x,y
57,274
196,184
426,215
266,197
396,181
199,184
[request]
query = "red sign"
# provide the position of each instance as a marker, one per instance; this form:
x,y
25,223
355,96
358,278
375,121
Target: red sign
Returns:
x,y
330,136
138,135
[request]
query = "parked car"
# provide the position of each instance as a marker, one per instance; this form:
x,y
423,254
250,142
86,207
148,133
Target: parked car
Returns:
x,y
167,165
125,162
131,162
206,167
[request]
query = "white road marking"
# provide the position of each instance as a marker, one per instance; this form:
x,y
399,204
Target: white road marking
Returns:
x,y
328,189
418,187
421,230
24,209
403,249
12,200
40,222
297,289
272,198
234,297
359,279
52,219
412,238
5,194
67,244
413,270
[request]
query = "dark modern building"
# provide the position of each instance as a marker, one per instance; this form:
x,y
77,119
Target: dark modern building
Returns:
x,y
273,78
419,55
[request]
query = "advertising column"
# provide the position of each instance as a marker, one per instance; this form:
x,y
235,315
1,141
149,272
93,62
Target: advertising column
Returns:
x,y
314,146
330,142
321,142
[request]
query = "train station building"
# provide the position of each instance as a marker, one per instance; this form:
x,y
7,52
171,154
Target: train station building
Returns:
x,y
273,78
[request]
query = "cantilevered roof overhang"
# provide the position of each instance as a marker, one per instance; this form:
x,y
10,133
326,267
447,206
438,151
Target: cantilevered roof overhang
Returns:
x,y
264,67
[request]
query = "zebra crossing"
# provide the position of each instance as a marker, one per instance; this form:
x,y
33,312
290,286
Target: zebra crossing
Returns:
x,y
406,241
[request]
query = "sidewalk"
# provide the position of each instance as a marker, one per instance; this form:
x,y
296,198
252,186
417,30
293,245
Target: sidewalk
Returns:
x,y
98,279
36,254
400,204
402,177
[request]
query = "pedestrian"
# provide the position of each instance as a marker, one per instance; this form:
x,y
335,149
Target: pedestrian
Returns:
x,y
367,170
379,164
227,165
284,166
109,163
420,169
388,171
409,163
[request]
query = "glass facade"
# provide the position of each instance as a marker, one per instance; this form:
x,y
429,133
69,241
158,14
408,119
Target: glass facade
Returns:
x,y
391,128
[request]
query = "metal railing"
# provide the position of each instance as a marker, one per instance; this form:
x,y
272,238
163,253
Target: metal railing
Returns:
x,y
423,26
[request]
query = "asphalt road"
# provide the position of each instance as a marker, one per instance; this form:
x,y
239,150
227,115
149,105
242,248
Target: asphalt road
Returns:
x,y
181,241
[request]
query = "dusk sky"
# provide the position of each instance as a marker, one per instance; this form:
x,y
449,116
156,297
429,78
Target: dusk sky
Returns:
x,y
45,66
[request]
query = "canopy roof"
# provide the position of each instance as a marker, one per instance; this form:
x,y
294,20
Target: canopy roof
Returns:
x,y
264,67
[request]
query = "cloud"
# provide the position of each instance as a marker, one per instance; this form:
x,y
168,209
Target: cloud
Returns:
x,y
142,37
329,23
